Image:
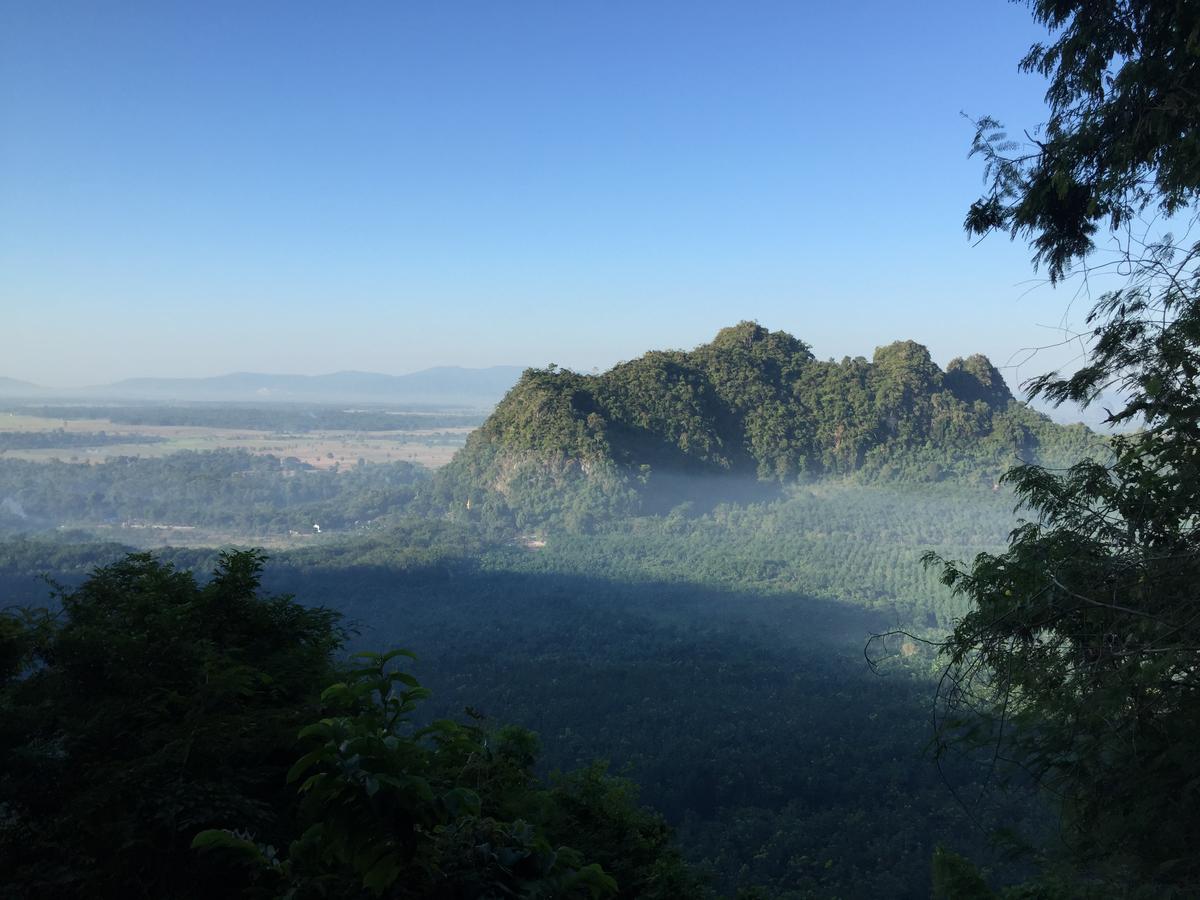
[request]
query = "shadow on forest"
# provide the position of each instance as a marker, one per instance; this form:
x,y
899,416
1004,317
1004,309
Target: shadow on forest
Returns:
x,y
455,598
668,679
751,721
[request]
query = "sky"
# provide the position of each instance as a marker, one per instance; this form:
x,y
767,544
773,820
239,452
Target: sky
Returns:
x,y
190,189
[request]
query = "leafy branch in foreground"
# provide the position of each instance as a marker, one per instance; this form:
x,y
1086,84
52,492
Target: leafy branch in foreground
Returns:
x,y
449,810
159,737
143,709
1079,659
1120,137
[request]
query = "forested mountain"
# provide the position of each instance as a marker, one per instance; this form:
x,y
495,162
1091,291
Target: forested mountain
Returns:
x,y
751,408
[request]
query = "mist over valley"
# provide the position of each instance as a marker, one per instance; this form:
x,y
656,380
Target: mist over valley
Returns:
x,y
619,562
786,486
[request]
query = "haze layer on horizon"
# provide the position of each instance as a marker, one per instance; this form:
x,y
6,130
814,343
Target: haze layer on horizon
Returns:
x,y
276,188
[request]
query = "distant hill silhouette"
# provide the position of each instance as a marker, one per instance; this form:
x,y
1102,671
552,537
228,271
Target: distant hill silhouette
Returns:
x,y
444,385
14,387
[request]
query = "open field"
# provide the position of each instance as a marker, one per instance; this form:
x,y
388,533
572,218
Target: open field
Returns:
x,y
152,537
432,447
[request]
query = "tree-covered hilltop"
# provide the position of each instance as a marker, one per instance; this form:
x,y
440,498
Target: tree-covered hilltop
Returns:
x,y
752,403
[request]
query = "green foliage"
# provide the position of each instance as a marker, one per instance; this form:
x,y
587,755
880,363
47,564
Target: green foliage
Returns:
x,y
1121,137
148,708
696,653
65,440
602,815
398,811
453,810
1079,658
231,489
954,878
166,738
751,407
686,650
1081,649
856,544
627,643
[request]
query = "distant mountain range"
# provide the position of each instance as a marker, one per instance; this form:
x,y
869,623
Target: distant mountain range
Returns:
x,y
443,385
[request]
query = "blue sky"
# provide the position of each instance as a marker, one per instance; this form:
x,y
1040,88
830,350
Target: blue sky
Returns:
x,y
190,189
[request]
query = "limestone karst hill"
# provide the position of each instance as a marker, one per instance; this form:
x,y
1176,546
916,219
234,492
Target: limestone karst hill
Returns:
x,y
750,411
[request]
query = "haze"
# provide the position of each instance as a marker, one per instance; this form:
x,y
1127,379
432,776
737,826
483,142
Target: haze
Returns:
x,y
196,190
574,450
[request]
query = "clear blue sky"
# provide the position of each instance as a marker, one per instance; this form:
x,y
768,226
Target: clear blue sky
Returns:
x,y
195,188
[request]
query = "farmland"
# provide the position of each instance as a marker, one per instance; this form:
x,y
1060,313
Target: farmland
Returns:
x,y
429,439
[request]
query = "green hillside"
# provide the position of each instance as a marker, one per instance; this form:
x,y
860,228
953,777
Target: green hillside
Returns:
x,y
750,411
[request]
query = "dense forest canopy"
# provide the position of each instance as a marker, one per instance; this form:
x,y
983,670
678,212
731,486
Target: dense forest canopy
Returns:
x,y
751,406
168,738
811,783
245,493
61,439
